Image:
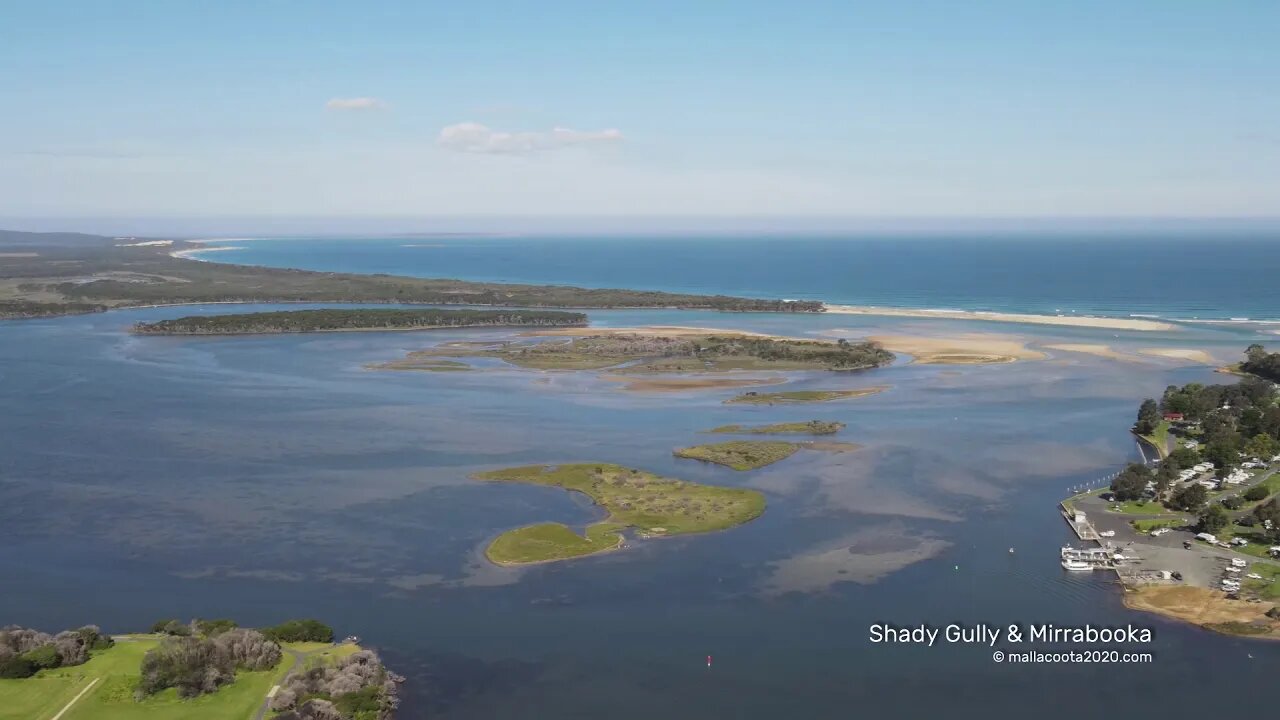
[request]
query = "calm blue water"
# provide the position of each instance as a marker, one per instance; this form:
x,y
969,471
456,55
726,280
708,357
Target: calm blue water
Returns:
x,y
1178,277
266,477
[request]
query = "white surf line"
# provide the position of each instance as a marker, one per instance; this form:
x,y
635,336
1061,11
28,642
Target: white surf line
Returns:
x,y
67,707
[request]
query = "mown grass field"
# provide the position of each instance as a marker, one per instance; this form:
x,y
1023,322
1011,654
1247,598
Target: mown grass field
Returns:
x,y
740,454
1149,524
651,504
117,672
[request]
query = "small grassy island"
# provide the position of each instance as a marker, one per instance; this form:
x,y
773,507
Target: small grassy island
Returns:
x,y
651,504
645,353
202,670
812,427
740,454
338,320
754,454
801,396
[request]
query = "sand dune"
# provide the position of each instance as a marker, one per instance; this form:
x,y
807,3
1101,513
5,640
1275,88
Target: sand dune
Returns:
x,y
1069,320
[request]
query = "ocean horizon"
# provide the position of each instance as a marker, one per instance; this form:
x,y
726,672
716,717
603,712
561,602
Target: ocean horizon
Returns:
x,y
1215,277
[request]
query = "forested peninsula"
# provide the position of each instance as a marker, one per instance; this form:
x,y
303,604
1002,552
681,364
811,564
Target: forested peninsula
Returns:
x,y
330,320
43,274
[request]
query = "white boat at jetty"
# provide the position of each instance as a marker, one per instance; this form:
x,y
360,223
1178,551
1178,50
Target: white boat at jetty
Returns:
x,y
1076,565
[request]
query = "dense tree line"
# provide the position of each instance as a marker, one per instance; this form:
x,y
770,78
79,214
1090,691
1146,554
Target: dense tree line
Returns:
x,y
294,321
1258,361
302,630
357,687
24,652
1232,420
16,309
198,665
842,355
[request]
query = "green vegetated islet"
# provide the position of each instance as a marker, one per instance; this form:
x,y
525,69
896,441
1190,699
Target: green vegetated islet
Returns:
x,y
812,427
301,321
648,503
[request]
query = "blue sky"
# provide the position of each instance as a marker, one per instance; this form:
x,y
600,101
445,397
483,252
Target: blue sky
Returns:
x,y
1163,108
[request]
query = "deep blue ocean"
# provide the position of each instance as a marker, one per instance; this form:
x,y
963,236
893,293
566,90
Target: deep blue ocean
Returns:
x,y
1230,275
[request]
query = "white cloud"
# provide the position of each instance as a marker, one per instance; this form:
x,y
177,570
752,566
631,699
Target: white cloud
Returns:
x,y
356,103
476,138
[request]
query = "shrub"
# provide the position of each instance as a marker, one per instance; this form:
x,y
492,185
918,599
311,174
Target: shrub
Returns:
x,y
249,649
1257,492
16,667
1233,503
171,627
43,657
209,628
194,666
305,630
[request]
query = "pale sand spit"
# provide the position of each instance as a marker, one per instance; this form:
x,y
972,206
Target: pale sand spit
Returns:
x,y
1196,356
1069,320
1091,349
967,349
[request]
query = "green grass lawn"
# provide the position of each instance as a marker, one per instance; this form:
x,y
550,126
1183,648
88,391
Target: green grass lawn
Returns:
x,y
740,454
117,671
1141,507
650,503
1159,438
1267,588
1149,524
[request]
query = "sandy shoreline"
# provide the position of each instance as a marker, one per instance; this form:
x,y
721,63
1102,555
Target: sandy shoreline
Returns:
x,y
1201,606
1068,320
192,253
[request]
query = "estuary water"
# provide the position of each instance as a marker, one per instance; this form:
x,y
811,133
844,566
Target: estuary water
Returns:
x,y
1180,276
269,477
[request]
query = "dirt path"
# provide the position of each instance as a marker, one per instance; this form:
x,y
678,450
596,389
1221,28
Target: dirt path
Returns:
x,y
298,657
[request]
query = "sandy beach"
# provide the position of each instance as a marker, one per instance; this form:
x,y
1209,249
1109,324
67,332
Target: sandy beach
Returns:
x,y
967,349
193,253
1068,320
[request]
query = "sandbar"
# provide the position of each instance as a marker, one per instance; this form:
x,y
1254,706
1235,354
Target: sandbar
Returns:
x,y
1069,320
1196,356
966,349
1093,349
